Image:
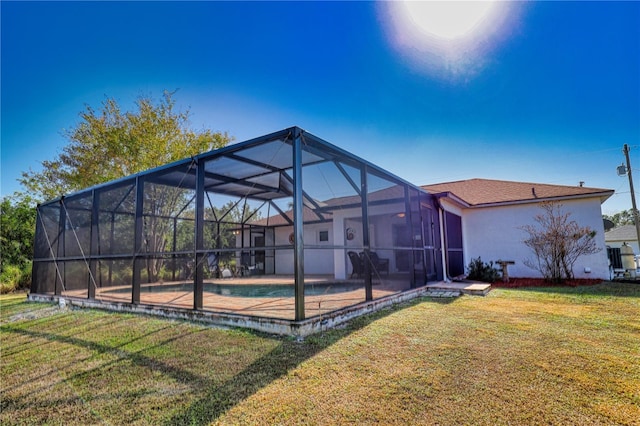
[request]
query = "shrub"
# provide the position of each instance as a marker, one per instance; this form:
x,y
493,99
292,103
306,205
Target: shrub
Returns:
x,y
10,279
558,243
25,275
481,271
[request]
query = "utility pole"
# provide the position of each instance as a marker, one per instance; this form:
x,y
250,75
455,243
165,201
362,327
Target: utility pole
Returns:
x,y
633,195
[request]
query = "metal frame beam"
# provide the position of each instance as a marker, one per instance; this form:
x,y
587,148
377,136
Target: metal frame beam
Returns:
x,y
366,241
283,214
199,255
62,276
138,234
298,231
94,238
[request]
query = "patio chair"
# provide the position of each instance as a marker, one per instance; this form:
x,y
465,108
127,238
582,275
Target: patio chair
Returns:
x,y
378,264
356,264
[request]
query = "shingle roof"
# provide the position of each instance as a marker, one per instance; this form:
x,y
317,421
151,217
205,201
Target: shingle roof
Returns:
x,y
478,192
395,192
279,220
621,233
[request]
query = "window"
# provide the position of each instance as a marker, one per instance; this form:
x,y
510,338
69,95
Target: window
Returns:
x,y
323,236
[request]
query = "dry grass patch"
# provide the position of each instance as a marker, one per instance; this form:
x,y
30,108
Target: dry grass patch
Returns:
x,y
543,356
515,357
86,367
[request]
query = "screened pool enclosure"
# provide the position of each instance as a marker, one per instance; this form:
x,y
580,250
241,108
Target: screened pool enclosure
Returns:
x,y
284,226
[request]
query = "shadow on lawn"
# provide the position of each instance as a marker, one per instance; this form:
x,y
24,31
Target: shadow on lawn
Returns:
x,y
215,399
275,364
116,350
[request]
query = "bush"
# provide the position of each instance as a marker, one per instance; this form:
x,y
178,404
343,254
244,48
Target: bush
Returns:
x,y
13,278
25,275
557,243
10,279
481,271
17,229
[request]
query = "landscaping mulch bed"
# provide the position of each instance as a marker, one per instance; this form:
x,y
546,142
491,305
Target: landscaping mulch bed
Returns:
x,y
540,282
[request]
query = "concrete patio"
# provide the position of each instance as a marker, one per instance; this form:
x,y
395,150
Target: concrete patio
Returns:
x,y
473,288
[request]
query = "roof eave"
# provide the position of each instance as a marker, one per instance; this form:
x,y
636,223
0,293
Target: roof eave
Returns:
x,y
603,196
452,197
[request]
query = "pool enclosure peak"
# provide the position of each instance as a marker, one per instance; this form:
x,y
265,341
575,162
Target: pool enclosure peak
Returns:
x,y
287,209
254,159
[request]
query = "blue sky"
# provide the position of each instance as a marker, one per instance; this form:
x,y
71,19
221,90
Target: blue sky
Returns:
x,y
548,93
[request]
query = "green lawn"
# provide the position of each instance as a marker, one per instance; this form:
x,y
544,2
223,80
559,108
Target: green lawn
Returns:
x,y
527,356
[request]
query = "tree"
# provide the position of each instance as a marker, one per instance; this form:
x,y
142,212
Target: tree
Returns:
x,y
217,233
624,217
557,243
109,143
17,228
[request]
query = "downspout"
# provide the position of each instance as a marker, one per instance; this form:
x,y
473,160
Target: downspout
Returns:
x,y
443,241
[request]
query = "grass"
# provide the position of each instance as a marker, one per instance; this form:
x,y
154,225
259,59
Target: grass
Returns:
x,y
517,356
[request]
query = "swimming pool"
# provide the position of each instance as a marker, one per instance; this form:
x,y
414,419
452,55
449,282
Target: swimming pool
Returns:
x,y
248,290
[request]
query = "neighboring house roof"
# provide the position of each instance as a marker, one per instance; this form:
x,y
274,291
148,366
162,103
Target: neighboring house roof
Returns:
x,y
621,233
486,192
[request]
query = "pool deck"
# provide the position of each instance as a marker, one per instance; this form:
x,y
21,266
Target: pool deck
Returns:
x,y
270,307
274,315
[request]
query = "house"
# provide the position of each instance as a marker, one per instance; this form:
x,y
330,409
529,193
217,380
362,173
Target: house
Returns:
x,y
615,238
284,233
480,218
622,234
491,214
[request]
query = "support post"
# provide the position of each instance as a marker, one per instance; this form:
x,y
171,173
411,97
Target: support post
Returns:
x,y
409,224
174,263
199,258
366,240
111,244
62,225
298,226
137,247
633,195
94,238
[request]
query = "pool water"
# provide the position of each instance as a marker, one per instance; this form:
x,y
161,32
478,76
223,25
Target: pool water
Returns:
x,y
249,290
